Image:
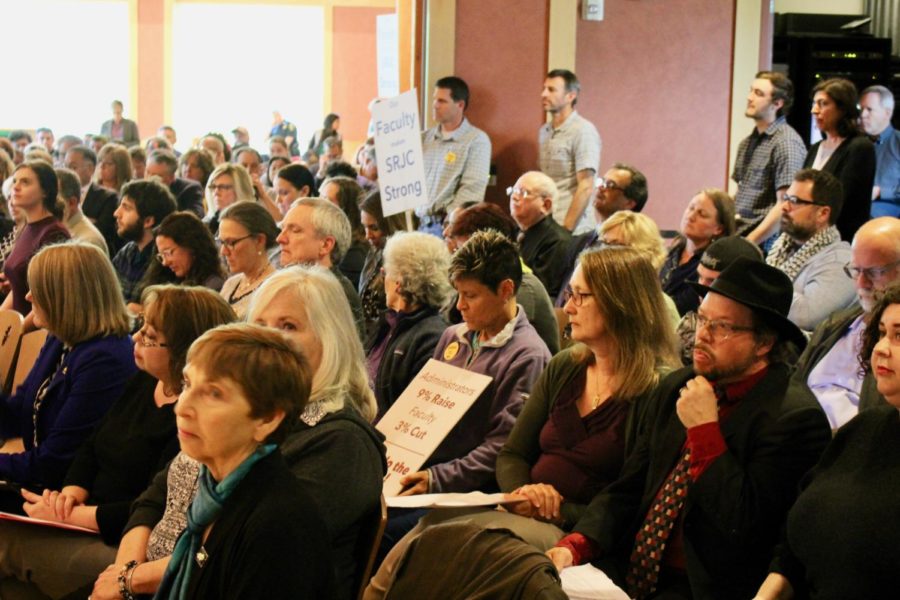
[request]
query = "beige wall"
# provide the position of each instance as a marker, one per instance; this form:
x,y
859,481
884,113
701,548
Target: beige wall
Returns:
x,y
821,7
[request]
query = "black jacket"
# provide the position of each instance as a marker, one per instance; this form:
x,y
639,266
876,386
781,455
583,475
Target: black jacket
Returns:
x,y
853,162
411,346
99,205
822,341
188,195
735,510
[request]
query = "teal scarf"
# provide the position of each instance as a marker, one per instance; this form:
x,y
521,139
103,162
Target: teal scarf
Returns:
x,y
204,509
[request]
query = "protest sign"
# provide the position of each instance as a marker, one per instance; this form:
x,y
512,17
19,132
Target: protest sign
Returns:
x,y
398,152
423,415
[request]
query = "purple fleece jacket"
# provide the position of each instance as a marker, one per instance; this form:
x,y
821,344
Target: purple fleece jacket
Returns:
x,y
514,358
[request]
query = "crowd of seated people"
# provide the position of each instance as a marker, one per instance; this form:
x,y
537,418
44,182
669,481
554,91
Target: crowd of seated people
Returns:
x,y
712,417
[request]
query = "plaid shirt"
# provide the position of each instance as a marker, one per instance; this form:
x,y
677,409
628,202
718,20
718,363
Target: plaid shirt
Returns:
x,y
766,162
130,263
457,167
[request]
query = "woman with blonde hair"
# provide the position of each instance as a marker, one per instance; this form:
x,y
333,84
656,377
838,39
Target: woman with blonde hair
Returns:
x,y
581,419
638,231
81,369
228,184
114,167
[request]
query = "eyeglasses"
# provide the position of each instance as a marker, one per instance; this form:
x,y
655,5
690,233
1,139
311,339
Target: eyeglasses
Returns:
x,y
719,330
577,298
795,201
230,244
146,343
608,184
142,336
521,193
164,254
225,187
871,273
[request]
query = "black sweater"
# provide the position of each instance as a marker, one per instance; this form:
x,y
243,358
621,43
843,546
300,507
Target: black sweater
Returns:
x,y
269,541
844,529
133,441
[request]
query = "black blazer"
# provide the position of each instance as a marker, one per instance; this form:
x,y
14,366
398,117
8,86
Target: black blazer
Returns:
x,y
734,511
188,195
99,205
822,341
853,162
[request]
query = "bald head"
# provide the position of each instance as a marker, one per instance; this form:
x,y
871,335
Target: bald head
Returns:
x,y
875,258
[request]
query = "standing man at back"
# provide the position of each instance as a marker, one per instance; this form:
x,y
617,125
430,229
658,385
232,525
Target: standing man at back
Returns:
x,y
569,151
457,155
767,158
877,104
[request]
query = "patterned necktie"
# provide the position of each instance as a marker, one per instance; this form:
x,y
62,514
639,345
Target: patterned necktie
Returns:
x,y
650,541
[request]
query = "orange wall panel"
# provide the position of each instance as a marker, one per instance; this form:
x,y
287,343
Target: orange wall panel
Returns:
x,y
501,53
151,83
354,68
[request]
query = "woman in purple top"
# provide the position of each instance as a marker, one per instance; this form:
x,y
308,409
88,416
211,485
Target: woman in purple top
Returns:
x,y
34,193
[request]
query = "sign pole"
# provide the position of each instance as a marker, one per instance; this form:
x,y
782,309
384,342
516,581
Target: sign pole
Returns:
x,y
409,221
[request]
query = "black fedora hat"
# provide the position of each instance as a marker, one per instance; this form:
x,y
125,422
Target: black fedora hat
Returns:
x,y
765,290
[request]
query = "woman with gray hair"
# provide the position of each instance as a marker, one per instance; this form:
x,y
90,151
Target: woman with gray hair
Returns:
x,y
416,286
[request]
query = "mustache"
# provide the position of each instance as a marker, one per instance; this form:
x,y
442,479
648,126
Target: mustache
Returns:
x,y
703,348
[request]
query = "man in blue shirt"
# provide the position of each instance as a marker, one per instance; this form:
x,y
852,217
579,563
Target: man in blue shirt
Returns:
x,y
877,104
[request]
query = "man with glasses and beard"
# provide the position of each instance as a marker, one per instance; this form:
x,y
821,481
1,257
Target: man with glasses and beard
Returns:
x,y
145,203
700,501
809,249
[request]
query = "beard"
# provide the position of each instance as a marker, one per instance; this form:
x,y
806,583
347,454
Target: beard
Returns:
x,y
131,233
798,232
717,372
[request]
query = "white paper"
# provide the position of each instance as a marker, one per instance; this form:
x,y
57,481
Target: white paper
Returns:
x,y
587,582
44,523
452,500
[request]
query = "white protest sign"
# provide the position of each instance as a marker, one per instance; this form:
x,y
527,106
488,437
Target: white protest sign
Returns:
x,y
430,406
398,150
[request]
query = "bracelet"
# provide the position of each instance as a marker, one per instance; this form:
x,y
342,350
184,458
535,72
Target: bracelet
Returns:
x,y
124,590
129,587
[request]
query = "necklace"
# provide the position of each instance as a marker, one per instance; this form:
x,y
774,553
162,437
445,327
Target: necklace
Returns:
x,y
248,285
597,399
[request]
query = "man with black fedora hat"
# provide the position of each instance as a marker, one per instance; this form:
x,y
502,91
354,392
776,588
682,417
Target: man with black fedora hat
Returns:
x,y
699,503
716,258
